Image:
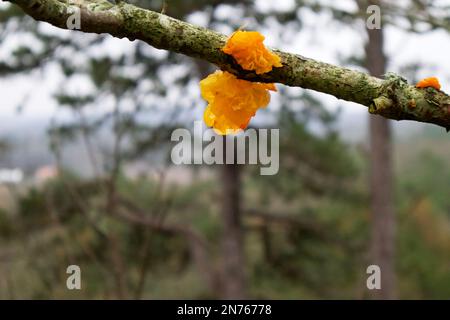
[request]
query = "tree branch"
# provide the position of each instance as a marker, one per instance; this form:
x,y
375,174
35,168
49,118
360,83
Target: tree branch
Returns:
x,y
391,98
128,212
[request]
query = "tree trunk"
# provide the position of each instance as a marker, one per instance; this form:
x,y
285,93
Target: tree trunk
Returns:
x,y
381,178
233,260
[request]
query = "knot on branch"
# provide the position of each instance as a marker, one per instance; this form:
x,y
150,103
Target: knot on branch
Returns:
x,y
392,95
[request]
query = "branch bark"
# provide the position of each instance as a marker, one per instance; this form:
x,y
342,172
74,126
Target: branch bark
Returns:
x,y
391,98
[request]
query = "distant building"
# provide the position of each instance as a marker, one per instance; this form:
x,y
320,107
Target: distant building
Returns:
x,y
45,173
11,176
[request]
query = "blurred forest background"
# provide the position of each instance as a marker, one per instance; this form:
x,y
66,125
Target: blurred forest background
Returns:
x,y
93,184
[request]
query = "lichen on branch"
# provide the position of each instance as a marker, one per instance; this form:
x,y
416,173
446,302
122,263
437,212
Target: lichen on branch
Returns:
x,y
392,98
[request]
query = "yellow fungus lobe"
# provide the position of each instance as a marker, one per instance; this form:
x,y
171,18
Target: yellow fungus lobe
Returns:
x,y
429,82
232,102
247,48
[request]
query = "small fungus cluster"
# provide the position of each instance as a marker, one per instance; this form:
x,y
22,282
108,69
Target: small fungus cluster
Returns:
x,y
232,102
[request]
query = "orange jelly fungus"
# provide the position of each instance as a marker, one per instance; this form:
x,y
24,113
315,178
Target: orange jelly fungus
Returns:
x,y
247,48
429,82
232,102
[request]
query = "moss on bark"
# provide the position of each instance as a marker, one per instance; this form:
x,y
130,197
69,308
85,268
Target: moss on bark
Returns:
x,y
392,98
